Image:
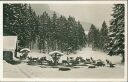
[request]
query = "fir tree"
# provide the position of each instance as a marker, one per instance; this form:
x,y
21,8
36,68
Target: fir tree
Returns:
x,y
94,37
116,32
21,20
103,36
44,31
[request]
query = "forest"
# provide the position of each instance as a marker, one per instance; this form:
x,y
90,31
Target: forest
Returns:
x,y
61,33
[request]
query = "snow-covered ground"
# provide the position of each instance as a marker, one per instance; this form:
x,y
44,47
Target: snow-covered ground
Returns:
x,y
87,53
26,71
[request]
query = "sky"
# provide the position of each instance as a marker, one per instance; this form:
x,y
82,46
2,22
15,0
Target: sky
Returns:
x,y
90,13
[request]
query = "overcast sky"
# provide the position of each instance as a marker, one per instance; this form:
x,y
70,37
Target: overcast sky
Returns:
x,y
91,13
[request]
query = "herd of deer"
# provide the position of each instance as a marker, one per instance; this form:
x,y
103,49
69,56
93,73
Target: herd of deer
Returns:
x,y
71,61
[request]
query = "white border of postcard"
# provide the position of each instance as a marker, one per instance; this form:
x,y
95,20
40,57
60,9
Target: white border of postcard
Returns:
x,y
60,2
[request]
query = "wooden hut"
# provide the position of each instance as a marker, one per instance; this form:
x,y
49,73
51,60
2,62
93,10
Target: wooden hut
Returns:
x,y
9,47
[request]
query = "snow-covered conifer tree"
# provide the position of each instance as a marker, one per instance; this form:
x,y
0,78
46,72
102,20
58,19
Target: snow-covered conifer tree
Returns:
x,y
116,31
103,36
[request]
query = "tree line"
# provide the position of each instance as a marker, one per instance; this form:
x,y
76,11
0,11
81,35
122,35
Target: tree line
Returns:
x,y
51,32
97,38
61,33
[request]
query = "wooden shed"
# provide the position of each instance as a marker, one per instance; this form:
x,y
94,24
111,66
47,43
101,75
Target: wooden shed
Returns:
x,y
9,47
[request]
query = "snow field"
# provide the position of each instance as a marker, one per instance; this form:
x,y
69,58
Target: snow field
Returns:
x,y
85,53
27,71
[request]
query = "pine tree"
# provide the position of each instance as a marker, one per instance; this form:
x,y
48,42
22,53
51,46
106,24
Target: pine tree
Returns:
x,y
54,25
44,32
94,37
116,32
11,17
32,24
21,20
103,36
63,33
97,39
91,34
81,36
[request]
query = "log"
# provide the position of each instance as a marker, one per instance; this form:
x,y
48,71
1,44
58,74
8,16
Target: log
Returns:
x,y
64,69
